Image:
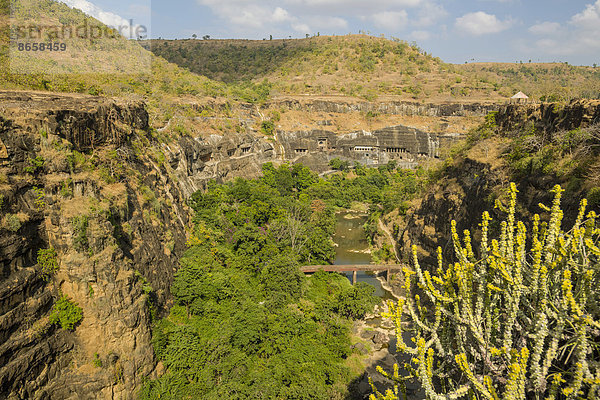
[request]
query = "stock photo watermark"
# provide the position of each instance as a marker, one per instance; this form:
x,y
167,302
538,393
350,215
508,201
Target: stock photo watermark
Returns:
x,y
62,41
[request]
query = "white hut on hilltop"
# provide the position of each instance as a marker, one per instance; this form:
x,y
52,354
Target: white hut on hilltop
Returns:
x,y
519,98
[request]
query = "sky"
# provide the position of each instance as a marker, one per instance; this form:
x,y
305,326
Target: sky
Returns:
x,y
457,31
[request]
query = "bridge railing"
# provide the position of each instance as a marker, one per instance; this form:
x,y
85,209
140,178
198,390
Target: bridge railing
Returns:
x,y
307,269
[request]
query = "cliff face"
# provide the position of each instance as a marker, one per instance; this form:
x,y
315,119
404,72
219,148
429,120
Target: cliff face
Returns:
x,y
389,107
70,180
472,182
194,162
549,117
405,145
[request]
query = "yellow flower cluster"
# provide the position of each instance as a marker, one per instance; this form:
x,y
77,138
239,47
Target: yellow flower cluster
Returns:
x,y
495,323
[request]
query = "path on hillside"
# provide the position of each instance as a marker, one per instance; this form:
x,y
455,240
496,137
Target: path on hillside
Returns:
x,y
390,237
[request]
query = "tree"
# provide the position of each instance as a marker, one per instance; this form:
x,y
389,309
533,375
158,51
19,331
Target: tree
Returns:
x,y
194,36
66,314
340,165
281,274
291,230
508,323
357,301
206,37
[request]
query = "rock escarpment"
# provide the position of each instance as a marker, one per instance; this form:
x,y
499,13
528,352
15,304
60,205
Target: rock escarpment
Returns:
x,y
471,183
70,179
388,107
549,117
195,161
403,144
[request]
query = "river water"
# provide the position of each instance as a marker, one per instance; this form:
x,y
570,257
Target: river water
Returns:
x,y
353,249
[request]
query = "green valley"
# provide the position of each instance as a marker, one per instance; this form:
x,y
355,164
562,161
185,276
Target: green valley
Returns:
x,y
159,198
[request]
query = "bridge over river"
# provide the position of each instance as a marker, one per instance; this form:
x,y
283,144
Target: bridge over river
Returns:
x,y
354,269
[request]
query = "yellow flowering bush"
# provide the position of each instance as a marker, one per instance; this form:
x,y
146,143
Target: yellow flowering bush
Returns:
x,y
519,320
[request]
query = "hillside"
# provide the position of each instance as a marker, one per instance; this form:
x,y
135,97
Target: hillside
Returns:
x,y
545,82
103,66
370,68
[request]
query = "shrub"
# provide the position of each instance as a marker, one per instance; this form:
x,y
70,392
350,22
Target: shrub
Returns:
x,y
12,222
40,198
47,259
97,362
509,323
340,165
80,239
35,165
66,314
65,188
267,127
593,196
357,301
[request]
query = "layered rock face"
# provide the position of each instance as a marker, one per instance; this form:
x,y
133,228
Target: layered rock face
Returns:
x,y
195,161
114,260
471,184
549,117
402,144
389,108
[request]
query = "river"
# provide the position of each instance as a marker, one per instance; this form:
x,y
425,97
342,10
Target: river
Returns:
x,y
352,248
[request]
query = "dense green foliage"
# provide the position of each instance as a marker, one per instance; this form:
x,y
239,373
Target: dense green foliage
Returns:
x,y
384,187
571,156
247,323
246,60
66,313
229,61
47,259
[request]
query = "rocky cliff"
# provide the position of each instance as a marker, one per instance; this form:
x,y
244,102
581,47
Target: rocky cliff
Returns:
x,y
73,178
386,107
470,183
403,144
549,117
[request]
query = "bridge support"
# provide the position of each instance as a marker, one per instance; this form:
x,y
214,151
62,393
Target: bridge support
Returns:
x,y
354,273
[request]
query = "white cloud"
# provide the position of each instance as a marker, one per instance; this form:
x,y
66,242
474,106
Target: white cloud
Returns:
x,y
254,17
420,35
113,20
355,4
545,28
589,18
429,14
580,36
392,21
481,23
301,28
280,15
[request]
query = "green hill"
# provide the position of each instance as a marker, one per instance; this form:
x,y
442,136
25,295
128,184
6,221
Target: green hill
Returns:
x,y
101,66
371,67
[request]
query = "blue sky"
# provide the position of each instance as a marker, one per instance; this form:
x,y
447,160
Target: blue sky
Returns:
x,y
454,30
